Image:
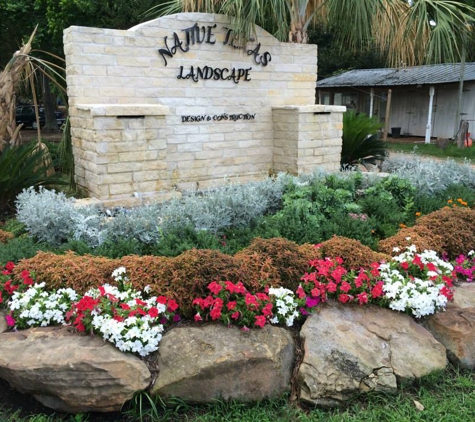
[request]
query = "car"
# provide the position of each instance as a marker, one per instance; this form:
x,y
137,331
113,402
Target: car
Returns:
x,y
26,114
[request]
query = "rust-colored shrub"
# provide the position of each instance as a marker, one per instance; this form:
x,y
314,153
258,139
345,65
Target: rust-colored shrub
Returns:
x,y
420,236
69,270
278,262
455,225
5,236
353,252
266,261
184,277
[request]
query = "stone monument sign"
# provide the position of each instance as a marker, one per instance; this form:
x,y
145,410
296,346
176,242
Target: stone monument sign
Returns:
x,y
176,103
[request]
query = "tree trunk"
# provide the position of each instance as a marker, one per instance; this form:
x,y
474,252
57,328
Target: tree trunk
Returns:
x,y
49,106
297,33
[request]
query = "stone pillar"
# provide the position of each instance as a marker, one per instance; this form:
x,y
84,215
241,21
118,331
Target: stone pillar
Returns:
x,y
307,137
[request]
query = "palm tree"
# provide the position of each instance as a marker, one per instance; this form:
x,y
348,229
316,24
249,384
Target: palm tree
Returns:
x,y
407,32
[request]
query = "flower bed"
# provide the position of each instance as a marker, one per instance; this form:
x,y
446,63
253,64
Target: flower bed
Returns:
x,y
418,284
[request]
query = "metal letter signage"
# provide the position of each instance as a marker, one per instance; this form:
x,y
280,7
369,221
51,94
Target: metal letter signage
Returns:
x,y
197,34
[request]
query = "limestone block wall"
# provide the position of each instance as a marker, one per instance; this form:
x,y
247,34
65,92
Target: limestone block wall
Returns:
x,y
216,119
307,137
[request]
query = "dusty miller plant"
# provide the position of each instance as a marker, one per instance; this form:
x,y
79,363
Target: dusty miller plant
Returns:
x,y
429,177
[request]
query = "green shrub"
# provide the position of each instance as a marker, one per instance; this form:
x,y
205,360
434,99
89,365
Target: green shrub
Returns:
x,y
20,248
13,226
361,144
22,167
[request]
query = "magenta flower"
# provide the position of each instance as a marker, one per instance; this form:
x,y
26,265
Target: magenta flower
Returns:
x,y
10,320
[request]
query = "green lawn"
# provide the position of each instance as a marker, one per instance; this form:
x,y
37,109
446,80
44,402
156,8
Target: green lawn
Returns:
x,y
431,149
446,397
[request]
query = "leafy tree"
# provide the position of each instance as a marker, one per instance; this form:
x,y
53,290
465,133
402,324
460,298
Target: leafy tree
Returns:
x,y
407,32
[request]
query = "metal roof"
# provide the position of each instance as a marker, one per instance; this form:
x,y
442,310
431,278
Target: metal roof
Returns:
x,y
417,75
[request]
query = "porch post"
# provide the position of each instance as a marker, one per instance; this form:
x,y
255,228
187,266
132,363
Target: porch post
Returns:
x,y
429,116
371,99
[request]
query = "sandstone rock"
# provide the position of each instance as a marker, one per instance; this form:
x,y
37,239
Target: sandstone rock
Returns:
x,y
464,296
352,349
455,329
200,364
3,323
70,372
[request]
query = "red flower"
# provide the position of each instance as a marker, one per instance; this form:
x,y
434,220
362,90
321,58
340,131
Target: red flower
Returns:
x,y
239,288
9,266
235,315
377,290
124,306
208,301
140,302
343,298
417,260
215,313
24,274
215,287
1,299
102,291
153,312
404,265
9,288
300,292
251,301
172,305
231,305
198,301
267,310
118,318
447,280
331,287
362,298
162,300
28,281
197,318
260,321
229,286
445,291
262,296
218,303
345,287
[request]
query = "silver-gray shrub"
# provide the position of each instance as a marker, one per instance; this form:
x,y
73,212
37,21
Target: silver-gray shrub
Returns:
x,y
53,218
431,176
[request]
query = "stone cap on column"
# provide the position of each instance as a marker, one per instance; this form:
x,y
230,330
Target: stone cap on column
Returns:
x,y
313,108
125,109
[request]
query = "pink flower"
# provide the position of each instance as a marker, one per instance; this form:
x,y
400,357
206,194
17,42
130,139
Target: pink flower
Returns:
x,y
172,305
300,292
235,315
343,298
215,287
245,329
260,321
231,305
198,318
345,287
10,320
310,302
362,298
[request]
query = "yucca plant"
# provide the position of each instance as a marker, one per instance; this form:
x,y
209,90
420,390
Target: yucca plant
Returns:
x,y
22,166
361,142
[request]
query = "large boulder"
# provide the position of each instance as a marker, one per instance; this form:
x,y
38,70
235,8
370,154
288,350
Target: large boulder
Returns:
x,y
464,296
70,372
201,364
352,349
455,329
3,322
